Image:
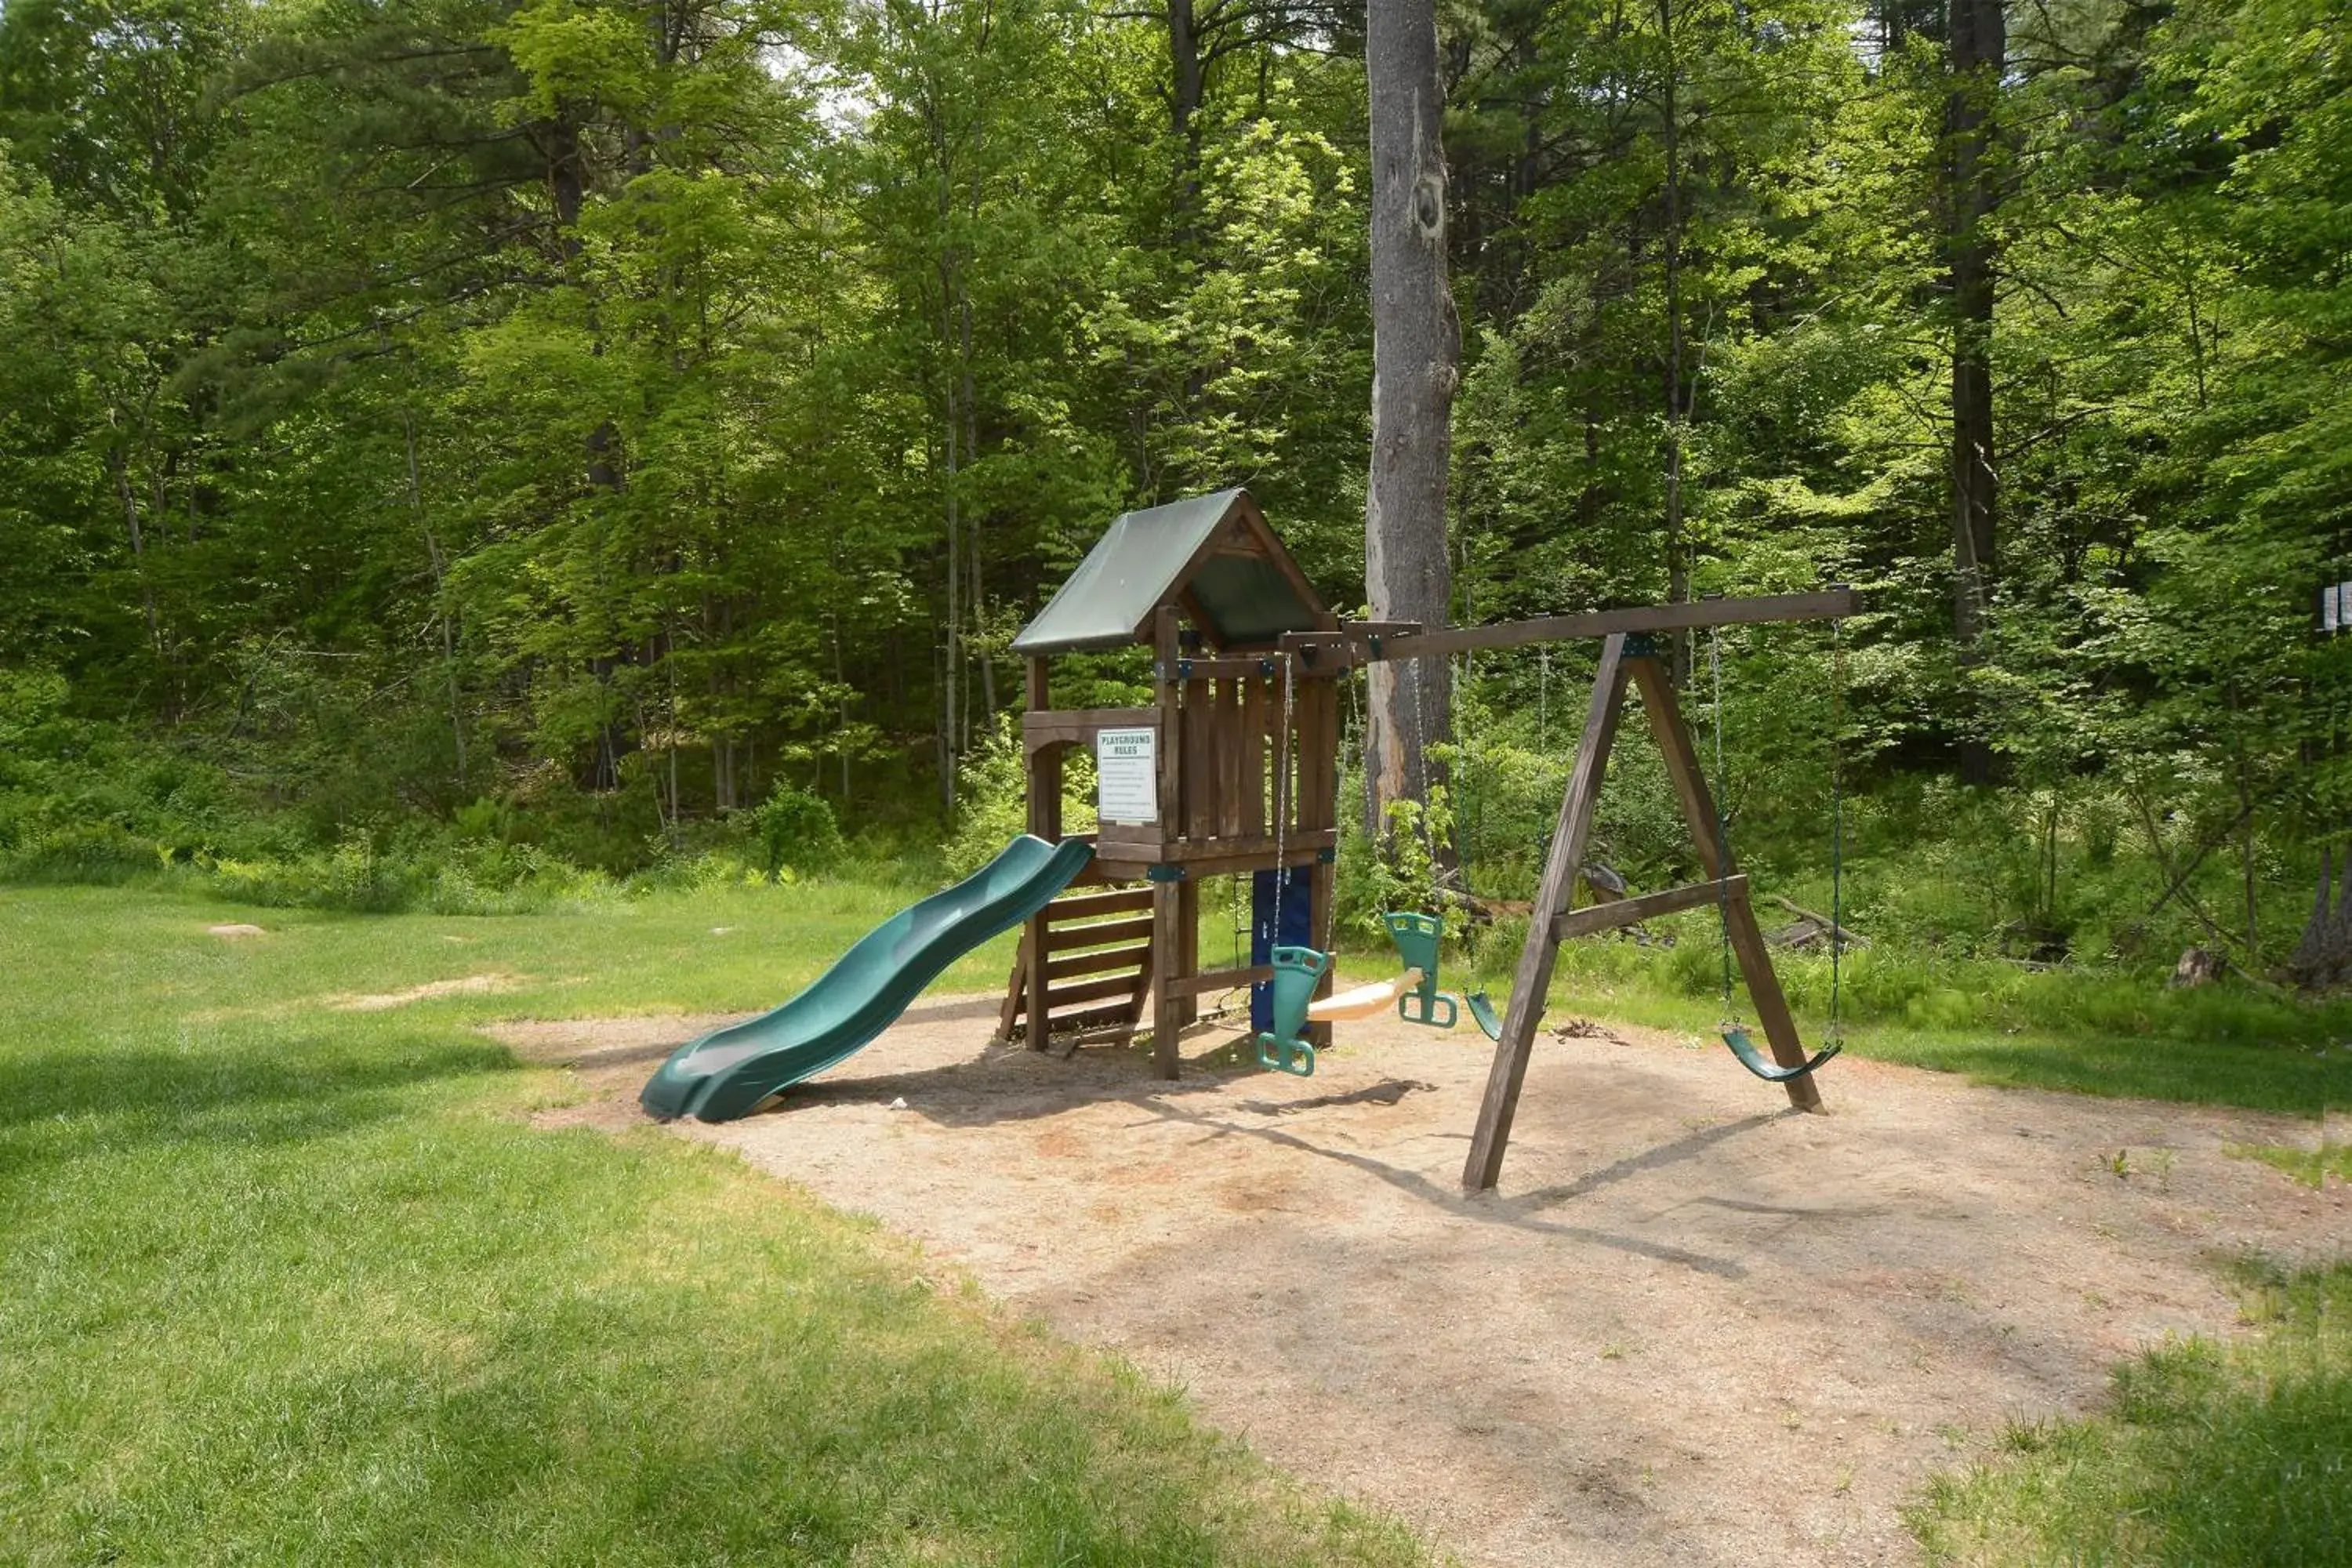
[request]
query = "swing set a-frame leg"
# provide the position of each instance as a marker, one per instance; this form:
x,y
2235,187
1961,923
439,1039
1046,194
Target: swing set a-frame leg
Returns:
x,y
1747,940
1553,895
1556,893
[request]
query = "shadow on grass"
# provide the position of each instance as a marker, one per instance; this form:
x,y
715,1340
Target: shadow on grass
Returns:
x,y
59,1103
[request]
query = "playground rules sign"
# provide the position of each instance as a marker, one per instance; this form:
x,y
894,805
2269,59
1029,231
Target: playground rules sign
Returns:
x,y
1128,790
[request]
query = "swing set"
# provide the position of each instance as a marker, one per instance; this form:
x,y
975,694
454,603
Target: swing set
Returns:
x,y
1233,770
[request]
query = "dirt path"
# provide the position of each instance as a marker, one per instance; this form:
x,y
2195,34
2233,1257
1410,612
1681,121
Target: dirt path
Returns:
x,y
1691,1328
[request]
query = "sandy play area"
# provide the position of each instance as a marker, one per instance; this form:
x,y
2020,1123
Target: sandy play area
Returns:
x,y
1693,1327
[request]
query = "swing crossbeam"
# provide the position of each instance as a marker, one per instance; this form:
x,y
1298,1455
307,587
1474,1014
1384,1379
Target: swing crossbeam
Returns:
x,y
1620,912
1354,642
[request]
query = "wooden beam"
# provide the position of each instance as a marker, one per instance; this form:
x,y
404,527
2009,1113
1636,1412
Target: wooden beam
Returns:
x,y
1628,911
1214,667
1216,864
1016,990
1198,849
1188,951
1076,726
1044,822
1823,604
1666,715
1167,908
1537,957
1221,980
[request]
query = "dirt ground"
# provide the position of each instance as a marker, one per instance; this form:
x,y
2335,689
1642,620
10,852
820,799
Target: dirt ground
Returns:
x,y
1692,1327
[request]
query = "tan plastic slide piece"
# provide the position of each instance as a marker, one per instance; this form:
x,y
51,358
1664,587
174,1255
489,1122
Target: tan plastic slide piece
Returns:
x,y
1362,1001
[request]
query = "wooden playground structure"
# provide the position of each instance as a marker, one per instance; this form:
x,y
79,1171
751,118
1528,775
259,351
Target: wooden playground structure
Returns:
x,y
1234,770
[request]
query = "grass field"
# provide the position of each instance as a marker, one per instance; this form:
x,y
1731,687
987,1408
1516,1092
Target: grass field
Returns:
x,y
289,1284
2211,1455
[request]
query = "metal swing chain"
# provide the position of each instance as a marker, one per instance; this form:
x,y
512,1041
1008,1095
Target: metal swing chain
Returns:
x,y
1722,829
1421,750
1837,826
1281,794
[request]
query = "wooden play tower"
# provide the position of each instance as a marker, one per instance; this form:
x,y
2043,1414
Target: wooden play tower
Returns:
x,y
1233,769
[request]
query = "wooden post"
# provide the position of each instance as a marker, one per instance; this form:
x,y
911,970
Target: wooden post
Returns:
x,y
1188,945
1746,940
1553,897
1322,743
1045,822
1166,900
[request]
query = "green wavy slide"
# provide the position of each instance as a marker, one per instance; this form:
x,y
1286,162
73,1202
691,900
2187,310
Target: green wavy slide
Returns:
x,y
728,1072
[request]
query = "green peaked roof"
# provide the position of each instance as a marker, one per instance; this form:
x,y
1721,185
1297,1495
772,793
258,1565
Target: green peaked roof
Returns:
x,y
1243,586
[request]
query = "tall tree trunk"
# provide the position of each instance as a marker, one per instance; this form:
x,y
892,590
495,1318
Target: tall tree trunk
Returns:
x,y
951,734
440,594
1187,83
1677,547
1416,362
120,464
1187,89
973,523
567,185
1977,53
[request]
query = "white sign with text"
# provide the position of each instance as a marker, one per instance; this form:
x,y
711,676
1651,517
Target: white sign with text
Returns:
x,y
1128,770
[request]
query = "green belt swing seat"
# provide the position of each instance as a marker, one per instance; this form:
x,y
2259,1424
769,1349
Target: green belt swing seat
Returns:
x,y
1284,1048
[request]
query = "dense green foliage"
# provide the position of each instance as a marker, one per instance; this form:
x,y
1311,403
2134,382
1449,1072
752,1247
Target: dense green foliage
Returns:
x,y
293,1284
539,430
2212,1454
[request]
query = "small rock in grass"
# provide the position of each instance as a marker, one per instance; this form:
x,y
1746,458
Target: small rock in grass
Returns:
x,y
899,1103
234,932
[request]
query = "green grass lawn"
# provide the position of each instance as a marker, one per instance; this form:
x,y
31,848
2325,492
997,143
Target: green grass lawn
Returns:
x,y
2211,1455
282,1284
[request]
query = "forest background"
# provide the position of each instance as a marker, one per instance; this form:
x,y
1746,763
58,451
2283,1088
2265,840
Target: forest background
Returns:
x,y
472,454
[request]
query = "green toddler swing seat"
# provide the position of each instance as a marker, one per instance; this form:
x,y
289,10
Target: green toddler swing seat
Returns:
x,y
1296,972
1417,937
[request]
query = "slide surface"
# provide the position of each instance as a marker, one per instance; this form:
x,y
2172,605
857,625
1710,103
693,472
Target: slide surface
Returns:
x,y
728,1071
